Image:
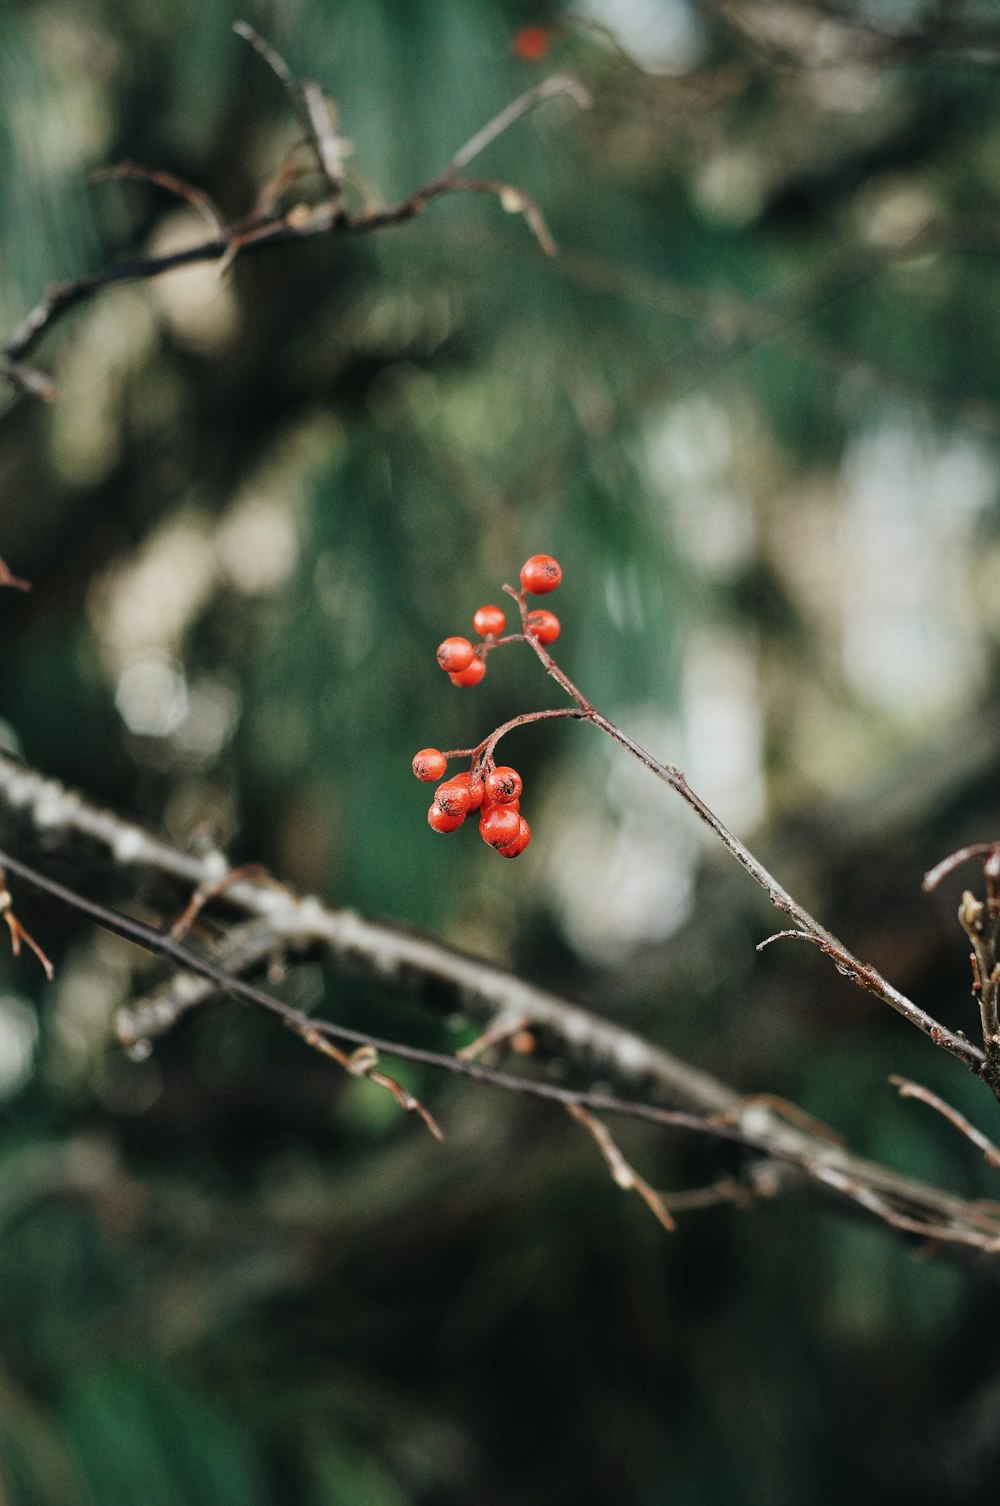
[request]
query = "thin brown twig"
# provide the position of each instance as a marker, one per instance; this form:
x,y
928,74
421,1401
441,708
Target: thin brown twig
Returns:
x,y
196,197
694,1199
205,893
13,581
954,860
362,1062
18,934
623,1174
909,1089
499,1033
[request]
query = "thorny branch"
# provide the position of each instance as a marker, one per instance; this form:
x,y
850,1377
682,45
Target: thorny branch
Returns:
x,y
782,1155
269,225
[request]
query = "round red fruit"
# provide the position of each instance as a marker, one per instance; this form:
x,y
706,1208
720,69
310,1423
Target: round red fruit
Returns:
x,y
455,655
429,764
540,574
489,622
439,820
503,786
470,676
499,825
453,797
532,43
474,787
545,626
520,842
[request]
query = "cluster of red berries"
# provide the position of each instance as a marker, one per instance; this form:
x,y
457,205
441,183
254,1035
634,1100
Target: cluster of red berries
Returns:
x,y
493,791
465,663
496,795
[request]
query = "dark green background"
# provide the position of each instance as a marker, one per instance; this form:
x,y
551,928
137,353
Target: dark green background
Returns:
x,y
225,1274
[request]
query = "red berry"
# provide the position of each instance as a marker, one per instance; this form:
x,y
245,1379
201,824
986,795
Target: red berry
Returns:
x,y
545,626
453,797
503,786
531,43
489,622
455,654
474,787
470,676
439,820
540,574
520,842
429,764
499,825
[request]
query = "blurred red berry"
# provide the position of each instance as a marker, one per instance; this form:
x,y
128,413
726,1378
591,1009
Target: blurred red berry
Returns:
x,y
489,622
545,626
455,654
532,43
470,676
453,797
540,574
503,786
499,825
520,842
439,820
429,764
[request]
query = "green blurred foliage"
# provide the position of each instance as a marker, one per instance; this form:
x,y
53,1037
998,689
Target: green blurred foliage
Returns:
x,y
759,429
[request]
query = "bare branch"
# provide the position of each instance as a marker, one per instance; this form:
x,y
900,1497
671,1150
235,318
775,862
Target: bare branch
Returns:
x,y
404,962
267,226
861,973
397,958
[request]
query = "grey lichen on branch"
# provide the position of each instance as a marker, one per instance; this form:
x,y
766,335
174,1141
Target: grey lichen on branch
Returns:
x,y
405,962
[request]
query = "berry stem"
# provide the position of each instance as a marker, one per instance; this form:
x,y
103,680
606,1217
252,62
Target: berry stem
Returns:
x,y
482,649
486,749
551,667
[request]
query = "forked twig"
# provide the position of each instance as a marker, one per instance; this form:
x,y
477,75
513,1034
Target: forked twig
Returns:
x,y
205,893
364,1063
267,225
314,110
